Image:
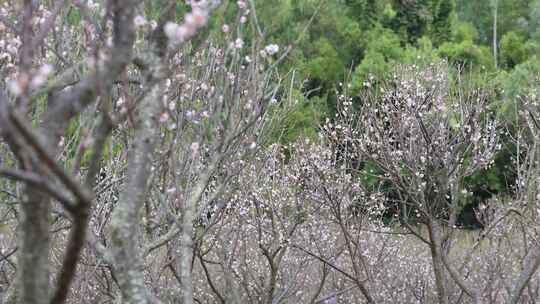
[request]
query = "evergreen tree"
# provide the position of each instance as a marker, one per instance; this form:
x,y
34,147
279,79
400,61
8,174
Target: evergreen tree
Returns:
x,y
366,12
512,50
412,19
443,15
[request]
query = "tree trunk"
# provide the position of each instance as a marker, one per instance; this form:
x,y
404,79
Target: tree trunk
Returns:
x,y
434,229
530,266
188,216
125,219
34,244
495,4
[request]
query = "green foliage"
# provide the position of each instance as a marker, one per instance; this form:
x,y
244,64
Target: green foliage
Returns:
x,y
534,19
303,121
521,81
493,180
276,18
443,19
464,31
370,37
154,9
333,38
369,13
326,65
512,15
73,17
513,51
370,176
423,54
463,51
412,19
383,51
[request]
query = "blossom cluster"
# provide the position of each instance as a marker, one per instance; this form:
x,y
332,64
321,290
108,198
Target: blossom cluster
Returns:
x,y
196,19
25,82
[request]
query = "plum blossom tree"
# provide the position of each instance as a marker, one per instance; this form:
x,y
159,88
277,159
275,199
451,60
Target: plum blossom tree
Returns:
x,y
163,115
425,138
528,189
136,168
424,133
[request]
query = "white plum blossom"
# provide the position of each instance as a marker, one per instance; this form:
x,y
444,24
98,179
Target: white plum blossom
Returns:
x,y
163,117
140,21
194,148
225,28
198,17
41,76
93,5
192,22
175,33
15,87
241,4
238,43
271,49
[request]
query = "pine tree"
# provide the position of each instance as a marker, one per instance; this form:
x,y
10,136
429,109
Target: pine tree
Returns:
x,y
411,20
443,14
366,12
